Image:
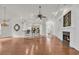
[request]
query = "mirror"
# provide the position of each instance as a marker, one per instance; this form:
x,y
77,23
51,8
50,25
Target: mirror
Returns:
x,y
16,27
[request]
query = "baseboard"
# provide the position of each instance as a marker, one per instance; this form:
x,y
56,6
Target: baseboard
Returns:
x,y
73,46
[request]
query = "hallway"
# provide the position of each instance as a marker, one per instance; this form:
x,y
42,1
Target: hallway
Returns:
x,y
34,46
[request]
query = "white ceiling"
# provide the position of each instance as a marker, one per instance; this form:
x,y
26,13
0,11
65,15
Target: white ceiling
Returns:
x,y
28,11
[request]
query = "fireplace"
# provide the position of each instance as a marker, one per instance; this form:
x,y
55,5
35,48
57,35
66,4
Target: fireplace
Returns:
x,y
66,38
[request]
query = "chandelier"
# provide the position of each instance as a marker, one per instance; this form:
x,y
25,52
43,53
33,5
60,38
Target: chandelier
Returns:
x,y
4,21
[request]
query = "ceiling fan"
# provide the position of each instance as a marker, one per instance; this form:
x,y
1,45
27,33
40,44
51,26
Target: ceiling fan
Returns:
x,y
40,15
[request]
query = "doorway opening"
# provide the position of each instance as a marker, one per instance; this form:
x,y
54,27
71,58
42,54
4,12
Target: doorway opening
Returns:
x,y
49,28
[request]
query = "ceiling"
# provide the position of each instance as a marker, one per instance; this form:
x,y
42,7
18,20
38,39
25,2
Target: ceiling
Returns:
x,y
28,11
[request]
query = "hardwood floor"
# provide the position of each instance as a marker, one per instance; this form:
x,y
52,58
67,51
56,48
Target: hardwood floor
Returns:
x,y
35,46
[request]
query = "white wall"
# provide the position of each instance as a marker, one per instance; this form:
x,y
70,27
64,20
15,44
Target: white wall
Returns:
x,y
75,17
58,27
19,33
6,31
28,12
9,31
73,29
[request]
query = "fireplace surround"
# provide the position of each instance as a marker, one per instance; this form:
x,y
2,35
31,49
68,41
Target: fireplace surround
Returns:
x,y
66,38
